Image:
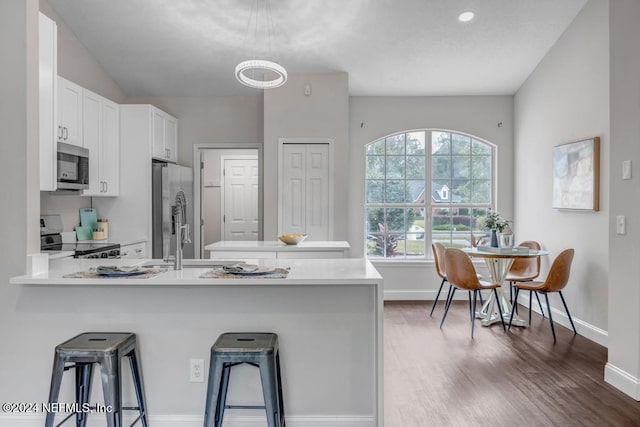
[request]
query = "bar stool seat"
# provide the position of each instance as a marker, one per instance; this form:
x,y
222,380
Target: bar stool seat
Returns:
x,y
258,349
106,349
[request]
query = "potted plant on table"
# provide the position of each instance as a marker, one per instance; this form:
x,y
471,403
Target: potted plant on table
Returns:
x,y
497,224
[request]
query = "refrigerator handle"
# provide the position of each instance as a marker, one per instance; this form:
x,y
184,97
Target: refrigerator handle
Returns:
x,y
173,219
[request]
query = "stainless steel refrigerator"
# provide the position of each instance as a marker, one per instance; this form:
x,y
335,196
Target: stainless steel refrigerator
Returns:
x,y
168,179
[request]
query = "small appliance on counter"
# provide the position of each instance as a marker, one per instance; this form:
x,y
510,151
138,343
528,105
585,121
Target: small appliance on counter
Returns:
x,y
51,241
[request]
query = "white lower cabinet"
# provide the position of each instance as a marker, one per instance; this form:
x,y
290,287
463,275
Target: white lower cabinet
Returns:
x,y
135,251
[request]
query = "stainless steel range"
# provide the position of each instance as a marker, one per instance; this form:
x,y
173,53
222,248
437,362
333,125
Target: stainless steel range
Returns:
x,y
51,241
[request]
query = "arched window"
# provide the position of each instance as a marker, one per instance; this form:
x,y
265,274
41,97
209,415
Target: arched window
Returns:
x,y
423,186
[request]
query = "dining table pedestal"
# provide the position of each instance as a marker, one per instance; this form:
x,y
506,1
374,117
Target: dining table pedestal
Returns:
x,y
498,263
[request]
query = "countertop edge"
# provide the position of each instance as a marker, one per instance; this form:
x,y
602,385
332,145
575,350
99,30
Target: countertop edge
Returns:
x,y
323,272
20,280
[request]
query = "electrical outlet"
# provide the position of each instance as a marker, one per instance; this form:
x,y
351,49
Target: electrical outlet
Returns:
x,y
621,224
196,370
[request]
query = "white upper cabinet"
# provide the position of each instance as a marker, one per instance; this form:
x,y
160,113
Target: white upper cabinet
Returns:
x,y
110,166
158,118
100,122
165,136
69,112
171,138
48,84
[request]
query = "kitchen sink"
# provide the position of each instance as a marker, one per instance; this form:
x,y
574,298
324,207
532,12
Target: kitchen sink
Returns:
x,y
190,263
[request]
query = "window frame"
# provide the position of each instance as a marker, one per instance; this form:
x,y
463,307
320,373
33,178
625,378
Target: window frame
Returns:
x,y
428,204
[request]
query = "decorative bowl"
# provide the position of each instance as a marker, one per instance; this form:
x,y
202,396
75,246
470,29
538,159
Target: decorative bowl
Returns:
x,y
292,238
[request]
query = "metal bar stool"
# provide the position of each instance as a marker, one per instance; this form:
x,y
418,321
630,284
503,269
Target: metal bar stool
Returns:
x,y
256,349
106,349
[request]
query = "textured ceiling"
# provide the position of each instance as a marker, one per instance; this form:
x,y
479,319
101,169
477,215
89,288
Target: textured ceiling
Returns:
x,y
388,47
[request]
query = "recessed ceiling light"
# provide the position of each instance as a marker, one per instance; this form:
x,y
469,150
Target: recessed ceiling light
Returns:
x,y
466,16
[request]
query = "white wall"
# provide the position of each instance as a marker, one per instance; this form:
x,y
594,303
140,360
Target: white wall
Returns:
x,y
623,369
567,99
206,120
77,64
20,183
373,117
289,113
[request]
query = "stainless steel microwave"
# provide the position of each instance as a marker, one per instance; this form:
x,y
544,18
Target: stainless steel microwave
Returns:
x,y
73,167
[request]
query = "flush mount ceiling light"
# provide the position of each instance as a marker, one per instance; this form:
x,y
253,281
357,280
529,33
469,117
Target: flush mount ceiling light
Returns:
x,y
466,16
273,74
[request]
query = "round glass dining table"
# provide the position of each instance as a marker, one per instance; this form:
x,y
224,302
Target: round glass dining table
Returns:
x,y
498,263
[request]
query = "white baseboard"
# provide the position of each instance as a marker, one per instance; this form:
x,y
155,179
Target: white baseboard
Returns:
x,y
97,420
404,295
622,380
422,295
587,330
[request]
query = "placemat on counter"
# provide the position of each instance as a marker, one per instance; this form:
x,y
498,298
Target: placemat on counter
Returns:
x,y
219,273
93,274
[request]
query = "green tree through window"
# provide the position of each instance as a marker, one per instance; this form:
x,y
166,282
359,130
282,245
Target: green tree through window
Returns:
x,y
423,186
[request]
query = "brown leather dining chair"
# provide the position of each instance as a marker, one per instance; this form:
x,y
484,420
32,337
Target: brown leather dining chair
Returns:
x,y
462,275
525,270
556,281
438,256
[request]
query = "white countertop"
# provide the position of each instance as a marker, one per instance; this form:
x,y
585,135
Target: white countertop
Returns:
x,y
323,272
59,254
276,246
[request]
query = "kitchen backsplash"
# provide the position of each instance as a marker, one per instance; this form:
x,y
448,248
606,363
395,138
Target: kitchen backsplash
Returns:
x,y
67,206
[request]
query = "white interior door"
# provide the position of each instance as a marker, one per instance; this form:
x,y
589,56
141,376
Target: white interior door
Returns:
x,y
240,220
306,203
294,218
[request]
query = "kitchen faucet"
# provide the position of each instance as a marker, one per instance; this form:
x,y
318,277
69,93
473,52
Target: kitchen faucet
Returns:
x,y
181,230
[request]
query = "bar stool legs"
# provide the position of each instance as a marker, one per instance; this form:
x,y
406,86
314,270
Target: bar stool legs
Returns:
x,y
256,349
83,390
214,388
270,392
138,383
110,371
107,350
54,389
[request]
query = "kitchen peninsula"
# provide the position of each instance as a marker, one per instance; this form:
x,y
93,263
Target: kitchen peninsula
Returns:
x,y
326,312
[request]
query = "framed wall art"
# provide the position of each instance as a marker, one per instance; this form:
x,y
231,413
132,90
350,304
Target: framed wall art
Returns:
x,y
576,175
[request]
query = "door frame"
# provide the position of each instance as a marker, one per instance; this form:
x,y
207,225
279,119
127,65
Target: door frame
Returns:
x,y
197,185
222,185
281,143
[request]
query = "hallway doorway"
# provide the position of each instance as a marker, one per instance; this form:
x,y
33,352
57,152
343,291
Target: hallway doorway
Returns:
x,y
228,205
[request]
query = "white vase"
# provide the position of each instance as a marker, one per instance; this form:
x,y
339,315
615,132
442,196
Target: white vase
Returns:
x,y
505,240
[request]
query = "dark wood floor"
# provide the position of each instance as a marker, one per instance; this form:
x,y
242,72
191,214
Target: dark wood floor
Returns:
x,y
442,377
